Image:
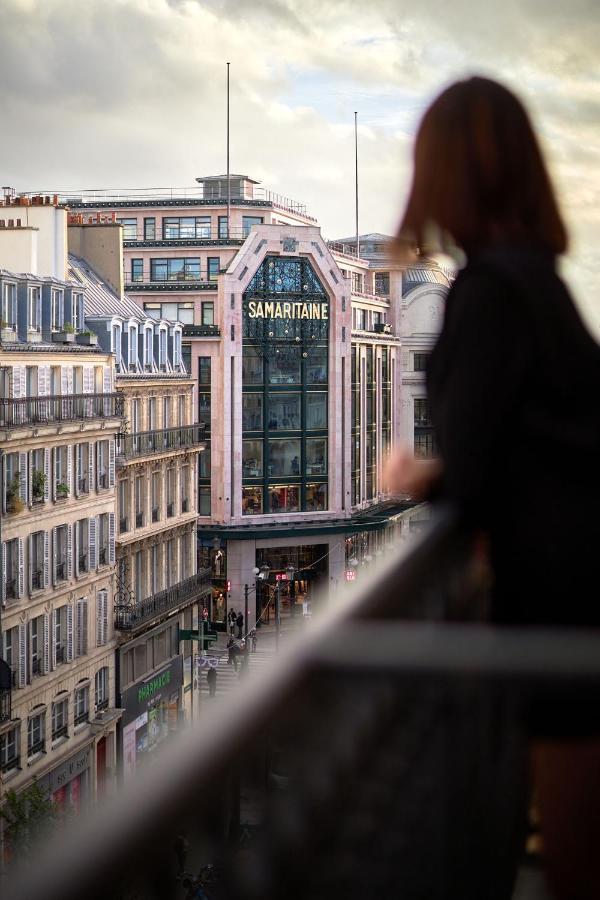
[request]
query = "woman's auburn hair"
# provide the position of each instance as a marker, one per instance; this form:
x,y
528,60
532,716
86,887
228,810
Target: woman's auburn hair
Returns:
x,y
479,174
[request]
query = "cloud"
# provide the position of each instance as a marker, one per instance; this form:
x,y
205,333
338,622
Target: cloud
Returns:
x,y
130,93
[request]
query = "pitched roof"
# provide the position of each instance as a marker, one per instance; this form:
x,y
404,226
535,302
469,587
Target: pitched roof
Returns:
x,y
99,298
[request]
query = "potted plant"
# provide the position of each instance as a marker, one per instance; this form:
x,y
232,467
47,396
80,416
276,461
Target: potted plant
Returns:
x,y
66,336
87,337
38,484
7,331
62,490
14,504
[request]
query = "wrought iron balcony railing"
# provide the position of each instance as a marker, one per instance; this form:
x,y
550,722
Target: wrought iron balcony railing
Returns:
x,y
380,755
145,443
130,617
44,410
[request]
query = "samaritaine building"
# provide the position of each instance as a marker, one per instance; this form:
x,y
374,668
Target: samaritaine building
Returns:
x,y
295,348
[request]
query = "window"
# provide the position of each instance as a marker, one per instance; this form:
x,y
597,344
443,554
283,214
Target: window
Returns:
x,y
316,410
285,368
284,498
129,228
357,282
421,411
252,366
186,227
82,532
425,446
61,472
182,410
284,457
359,319
156,486
214,264
149,228
154,570
57,313
208,313
140,586
249,221
252,501
36,637
252,412
9,750
166,412
204,500
36,734
152,420
183,269
11,573
103,549
137,269
420,362
34,311
382,284
316,456
9,305
102,463
10,648
59,637
204,370
223,227
60,719
82,705
316,497
36,560
123,505
101,688
139,501
77,311
82,468
316,366
184,480
170,492
148,348
284,412
252,459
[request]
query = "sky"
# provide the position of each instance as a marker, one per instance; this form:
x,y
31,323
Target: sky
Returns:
x,y
131,93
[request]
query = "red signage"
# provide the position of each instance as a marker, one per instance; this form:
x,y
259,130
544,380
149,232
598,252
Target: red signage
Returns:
x,y
350,574
228,588
281,576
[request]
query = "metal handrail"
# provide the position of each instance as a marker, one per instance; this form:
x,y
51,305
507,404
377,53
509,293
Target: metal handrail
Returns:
x,y
59,408
144,443
136,614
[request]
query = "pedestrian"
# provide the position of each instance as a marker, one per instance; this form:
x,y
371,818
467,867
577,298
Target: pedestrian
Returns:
x,y
254,638
232,617
205,615
515,424
240,624
211,680
230,652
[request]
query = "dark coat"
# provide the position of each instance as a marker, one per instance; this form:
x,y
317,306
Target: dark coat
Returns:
x,y
514,390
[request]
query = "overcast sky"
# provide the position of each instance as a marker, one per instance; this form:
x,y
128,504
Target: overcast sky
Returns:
x,y
131,93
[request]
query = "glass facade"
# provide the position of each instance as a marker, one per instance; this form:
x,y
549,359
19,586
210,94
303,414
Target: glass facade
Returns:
x,y
285,389
204,416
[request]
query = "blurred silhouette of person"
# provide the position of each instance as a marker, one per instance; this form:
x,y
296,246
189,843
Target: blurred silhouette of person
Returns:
x,y
240,624
211,680
232,617
513,387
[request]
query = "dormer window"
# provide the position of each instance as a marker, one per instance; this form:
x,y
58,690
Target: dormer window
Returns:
x,y
177,350
77,311
57,310
133,347
34,308
162,348
148,341
9,305
115,342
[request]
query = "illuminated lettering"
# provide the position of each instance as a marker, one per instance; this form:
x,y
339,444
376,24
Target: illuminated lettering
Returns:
x,y
316,311
278,310
269,310
252,309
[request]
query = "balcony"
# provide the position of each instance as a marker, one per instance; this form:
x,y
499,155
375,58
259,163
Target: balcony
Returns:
x,y
46,410
129,618
37,580
201,331
378,757
147,443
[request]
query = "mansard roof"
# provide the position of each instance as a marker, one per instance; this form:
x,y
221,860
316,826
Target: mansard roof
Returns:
x,y
100,300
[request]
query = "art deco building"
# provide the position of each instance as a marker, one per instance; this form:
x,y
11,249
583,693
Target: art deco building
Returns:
x,y
158,587
59,416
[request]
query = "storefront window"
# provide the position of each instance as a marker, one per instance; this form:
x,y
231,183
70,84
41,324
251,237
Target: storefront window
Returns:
x,y
284,498
316,367
252,459
284,457
252,500
285,368
252,366
316,497
252,412
316,456
284,412
316,410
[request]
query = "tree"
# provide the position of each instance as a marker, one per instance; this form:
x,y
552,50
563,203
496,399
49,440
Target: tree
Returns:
x,y
27,815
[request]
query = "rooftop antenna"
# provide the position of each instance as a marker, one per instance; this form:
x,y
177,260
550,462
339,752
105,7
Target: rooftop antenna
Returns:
x,y
356,178
228,182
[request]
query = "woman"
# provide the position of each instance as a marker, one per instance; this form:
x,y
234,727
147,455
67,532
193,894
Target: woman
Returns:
x,y
513,385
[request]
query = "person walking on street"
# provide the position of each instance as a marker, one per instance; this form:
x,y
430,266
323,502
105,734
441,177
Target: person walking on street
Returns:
x,y
232,617
240,624
254,639
211,680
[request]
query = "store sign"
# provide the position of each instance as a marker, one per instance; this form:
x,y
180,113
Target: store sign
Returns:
x,y
69,770
137,699
257,309
350,574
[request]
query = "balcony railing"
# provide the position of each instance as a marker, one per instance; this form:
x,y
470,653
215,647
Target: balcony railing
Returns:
x,y
379,757
130,617
44,410
155,513
145,443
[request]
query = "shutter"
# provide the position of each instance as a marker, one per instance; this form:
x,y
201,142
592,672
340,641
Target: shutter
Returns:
x,y
54,478
79,627
97,461
84,622
111,462
88,379
76,549
43,381
78,472
107,380
92,537
4,485
19,385
69,551
22,670
91,466
69,467
46,474
21,568
46,559
3,579
64,380
54,558
53,639
102,618
23,476
30,561
29,476
69,633
111,539
46,645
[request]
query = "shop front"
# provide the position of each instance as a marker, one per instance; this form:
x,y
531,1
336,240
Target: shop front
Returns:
x,y
69,784
151,714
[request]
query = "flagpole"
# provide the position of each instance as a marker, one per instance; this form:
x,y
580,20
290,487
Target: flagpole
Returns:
x,y
356,178
228,182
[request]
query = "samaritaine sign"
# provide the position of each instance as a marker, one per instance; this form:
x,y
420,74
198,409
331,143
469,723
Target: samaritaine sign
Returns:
x,y
285,310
